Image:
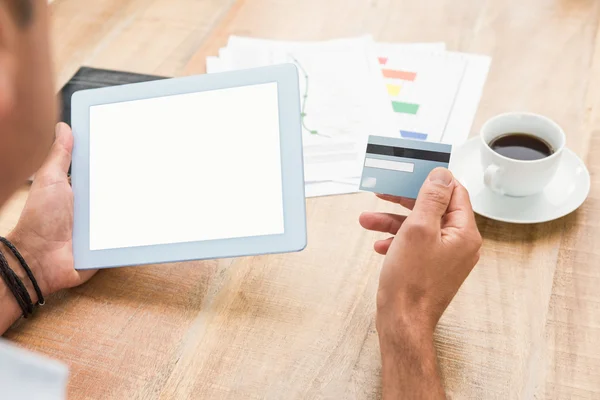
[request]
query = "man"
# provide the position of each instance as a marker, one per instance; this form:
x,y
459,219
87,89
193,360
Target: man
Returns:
x,y
430,253
28,112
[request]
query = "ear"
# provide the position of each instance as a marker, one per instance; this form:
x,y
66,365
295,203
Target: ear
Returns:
x,y
8,47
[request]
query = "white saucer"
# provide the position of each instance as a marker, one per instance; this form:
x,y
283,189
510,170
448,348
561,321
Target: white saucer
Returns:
x,y
563,195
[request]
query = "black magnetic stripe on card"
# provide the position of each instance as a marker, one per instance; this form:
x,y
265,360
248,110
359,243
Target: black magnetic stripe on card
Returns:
x,y
403,152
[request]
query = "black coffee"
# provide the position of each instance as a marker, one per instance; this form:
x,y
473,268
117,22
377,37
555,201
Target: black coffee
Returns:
x,y
521,146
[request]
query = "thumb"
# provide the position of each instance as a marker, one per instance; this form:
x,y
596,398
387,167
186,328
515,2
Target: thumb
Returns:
x,y
460,211
59,158
434,196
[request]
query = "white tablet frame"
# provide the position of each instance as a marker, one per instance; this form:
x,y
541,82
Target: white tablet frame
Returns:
x,y
294,236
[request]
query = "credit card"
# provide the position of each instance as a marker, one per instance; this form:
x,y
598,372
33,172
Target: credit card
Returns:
x,y
399,167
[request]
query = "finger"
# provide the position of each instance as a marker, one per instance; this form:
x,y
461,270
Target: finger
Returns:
x,y
59,158
403,201
382,246
381,222
460,211
434,197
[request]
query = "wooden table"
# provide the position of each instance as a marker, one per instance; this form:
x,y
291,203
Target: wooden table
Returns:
x,y
525,325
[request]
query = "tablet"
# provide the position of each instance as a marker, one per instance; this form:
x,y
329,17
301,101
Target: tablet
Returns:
x,y
189,168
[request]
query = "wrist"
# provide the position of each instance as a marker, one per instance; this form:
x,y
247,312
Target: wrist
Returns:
x,y
32,262
398,328
398,314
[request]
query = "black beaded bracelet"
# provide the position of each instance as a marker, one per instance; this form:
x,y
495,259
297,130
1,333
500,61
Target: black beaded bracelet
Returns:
x,y
16,286
24,265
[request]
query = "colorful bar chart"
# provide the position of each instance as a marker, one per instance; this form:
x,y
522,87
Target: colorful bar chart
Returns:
x,y
393,89
405,108
397,74
422,88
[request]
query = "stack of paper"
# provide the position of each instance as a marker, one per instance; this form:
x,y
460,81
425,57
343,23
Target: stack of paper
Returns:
x,y
353,88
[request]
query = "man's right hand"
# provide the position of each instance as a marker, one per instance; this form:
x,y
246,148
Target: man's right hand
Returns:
x,y
433,251
431,254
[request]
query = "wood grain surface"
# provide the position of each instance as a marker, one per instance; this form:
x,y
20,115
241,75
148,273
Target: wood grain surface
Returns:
x,y
526,324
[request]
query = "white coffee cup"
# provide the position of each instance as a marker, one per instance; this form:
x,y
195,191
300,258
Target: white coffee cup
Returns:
x,y
518,178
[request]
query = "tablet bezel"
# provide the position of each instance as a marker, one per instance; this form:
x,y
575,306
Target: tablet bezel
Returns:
x,y
294,236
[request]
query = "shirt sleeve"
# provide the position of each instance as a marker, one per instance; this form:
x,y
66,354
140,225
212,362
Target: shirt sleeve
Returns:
x,y
24,375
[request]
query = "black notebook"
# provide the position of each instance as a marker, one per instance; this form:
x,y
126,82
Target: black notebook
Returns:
x,y
94,78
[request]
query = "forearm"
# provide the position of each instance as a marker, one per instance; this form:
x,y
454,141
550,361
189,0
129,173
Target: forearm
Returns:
x,y
409,363
10,311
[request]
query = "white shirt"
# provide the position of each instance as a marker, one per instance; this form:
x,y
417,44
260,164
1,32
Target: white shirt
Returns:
x,y
24,375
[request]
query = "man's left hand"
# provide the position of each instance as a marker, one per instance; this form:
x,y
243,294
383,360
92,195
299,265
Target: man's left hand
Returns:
x,y
45,230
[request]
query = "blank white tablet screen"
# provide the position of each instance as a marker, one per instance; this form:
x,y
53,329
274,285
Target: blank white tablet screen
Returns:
x,y
185,168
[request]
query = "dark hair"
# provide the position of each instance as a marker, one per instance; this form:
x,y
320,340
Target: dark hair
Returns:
x,y
22,9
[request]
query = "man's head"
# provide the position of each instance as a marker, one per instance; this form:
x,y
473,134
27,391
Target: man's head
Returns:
x,y
28,108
